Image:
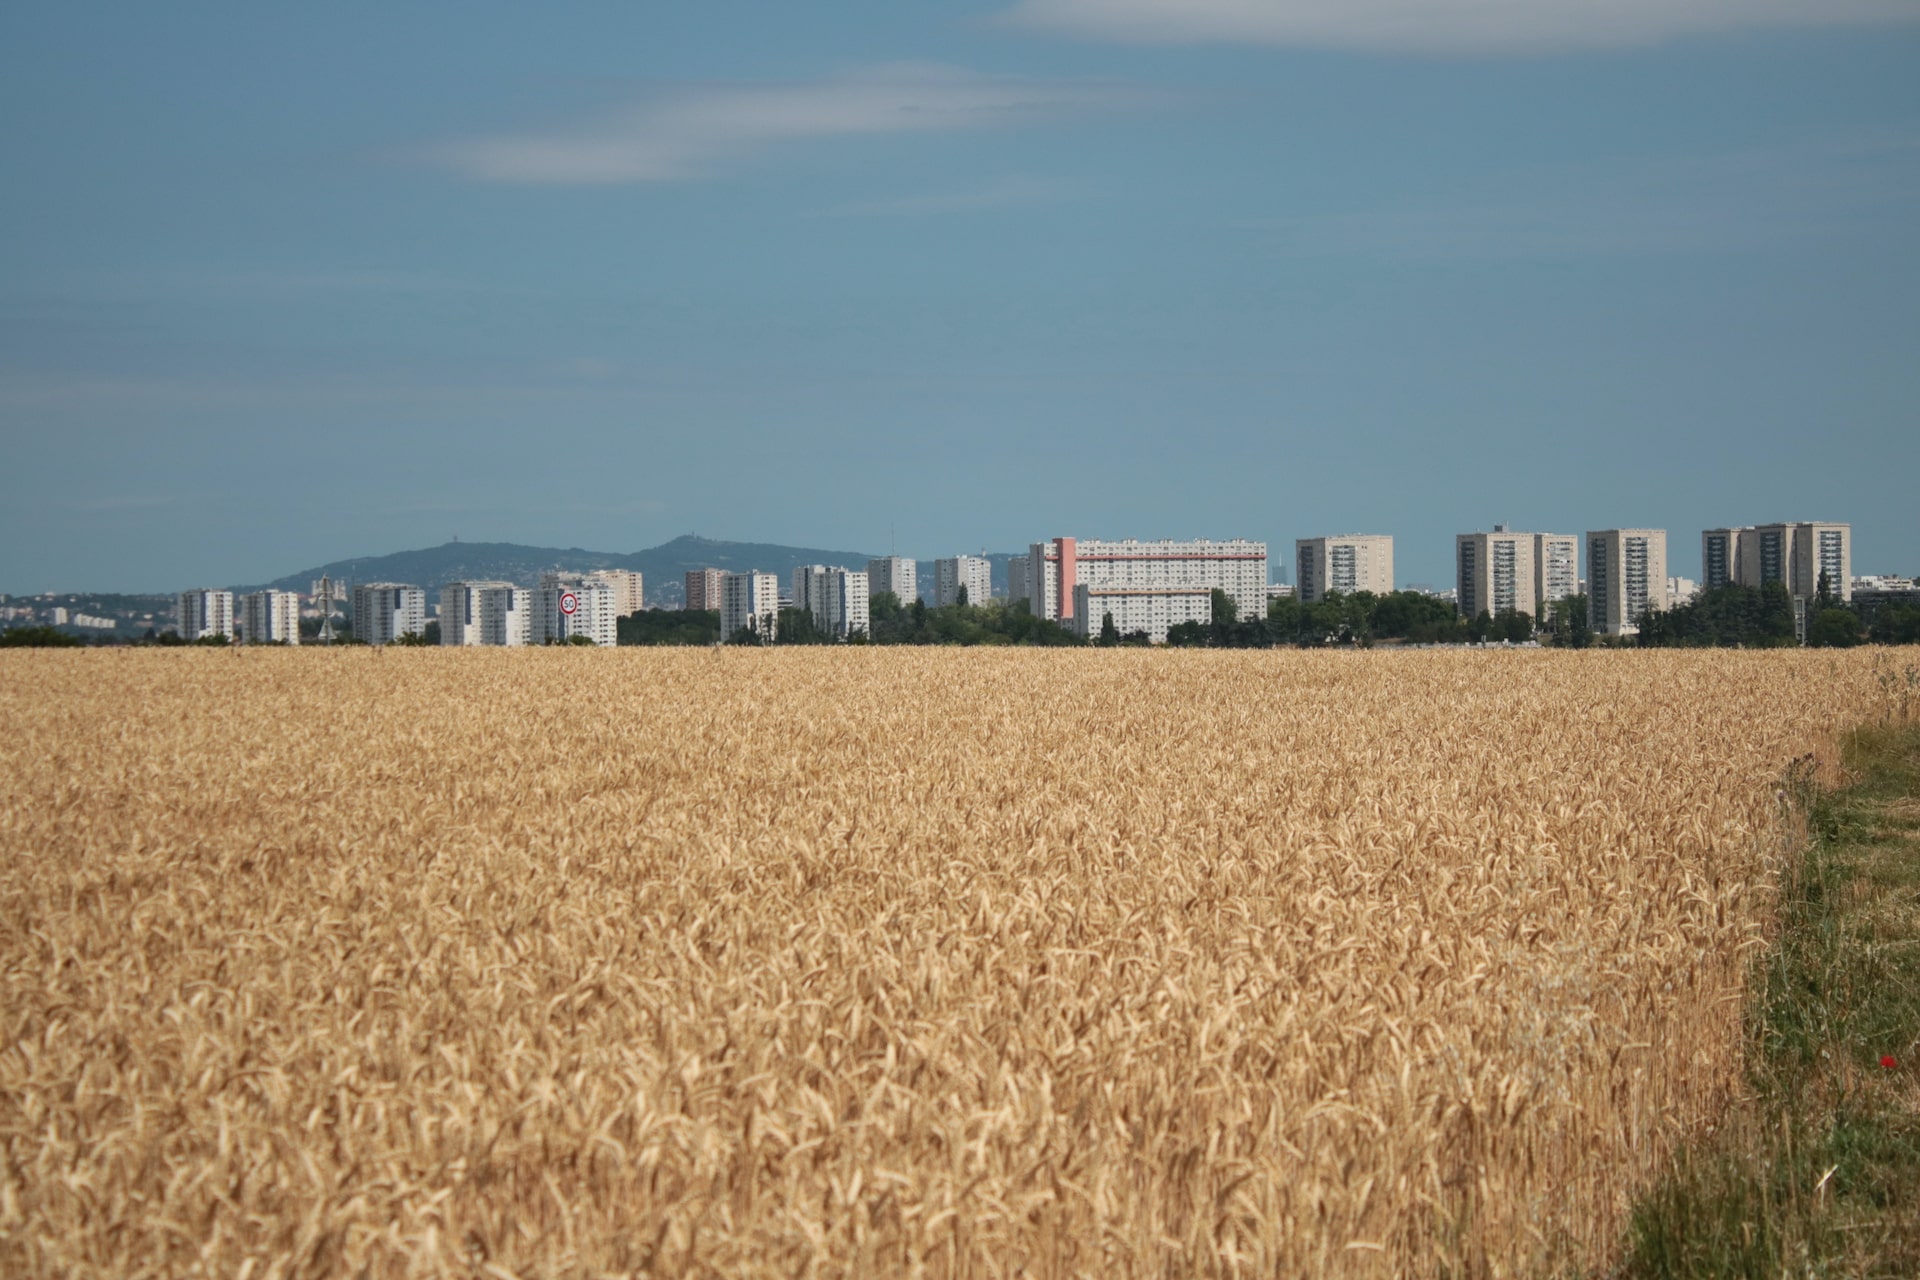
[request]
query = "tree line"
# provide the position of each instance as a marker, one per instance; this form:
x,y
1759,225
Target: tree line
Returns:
x,y
1725,617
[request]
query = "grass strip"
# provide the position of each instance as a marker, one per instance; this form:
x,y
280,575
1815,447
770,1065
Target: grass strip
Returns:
x,y
1817,1171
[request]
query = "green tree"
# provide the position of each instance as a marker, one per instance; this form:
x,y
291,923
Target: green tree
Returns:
x,y
669,627
38,638
1109,633
1834,629
961,598
1897,626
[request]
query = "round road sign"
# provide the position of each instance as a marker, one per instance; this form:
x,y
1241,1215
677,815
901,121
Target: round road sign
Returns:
x,y
568,603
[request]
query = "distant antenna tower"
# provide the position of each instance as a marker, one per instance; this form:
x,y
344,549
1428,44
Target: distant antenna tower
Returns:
x,y
323,596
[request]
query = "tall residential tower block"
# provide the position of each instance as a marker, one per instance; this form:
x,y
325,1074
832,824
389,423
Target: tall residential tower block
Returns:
x,y
1626,578
1345,562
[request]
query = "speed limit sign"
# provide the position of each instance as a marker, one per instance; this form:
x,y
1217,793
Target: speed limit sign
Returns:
x,y
569,602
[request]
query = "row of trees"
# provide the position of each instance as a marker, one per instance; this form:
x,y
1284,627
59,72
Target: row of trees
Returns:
x,y
891,622
1727,617
1763,618
1364,618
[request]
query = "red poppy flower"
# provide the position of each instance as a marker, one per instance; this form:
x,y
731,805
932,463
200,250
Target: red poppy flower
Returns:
x,y
1887,1061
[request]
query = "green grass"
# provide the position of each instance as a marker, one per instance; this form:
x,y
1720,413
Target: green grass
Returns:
x,y
1817,1171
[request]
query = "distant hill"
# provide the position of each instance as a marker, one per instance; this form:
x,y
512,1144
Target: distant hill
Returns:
x,y
664,566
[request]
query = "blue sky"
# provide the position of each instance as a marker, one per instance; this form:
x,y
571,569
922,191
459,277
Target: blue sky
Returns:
x,y
280,285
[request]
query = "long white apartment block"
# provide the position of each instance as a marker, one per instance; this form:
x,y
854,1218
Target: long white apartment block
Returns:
x,y
270,617
837,598
204,613
750,602
1056,569
1154,610
485,613
1626,578
385,611
1343,562
1793,553
703,588
897,574
565,606
628,586
974,573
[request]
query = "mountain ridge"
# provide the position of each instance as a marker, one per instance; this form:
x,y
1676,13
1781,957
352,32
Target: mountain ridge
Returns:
x,y
663,566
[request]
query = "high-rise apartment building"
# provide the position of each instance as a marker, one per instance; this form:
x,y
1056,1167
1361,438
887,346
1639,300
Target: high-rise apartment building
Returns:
x,y
1626,578
1556,568
385,611
1509,572
973,574
750,602
1494,573
1019,584
204,613
1168,567
1345,563
1720,556
897,574
488,613
837,598
1794,554
628,586
703,588
565,606
270,617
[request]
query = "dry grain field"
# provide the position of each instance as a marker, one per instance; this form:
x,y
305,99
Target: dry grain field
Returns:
x,y
874,962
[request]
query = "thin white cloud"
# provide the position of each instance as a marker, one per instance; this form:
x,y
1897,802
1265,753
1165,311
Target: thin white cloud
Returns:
x,y
685,134
1440,26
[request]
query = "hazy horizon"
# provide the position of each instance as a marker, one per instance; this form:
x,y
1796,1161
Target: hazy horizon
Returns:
x,y
282,287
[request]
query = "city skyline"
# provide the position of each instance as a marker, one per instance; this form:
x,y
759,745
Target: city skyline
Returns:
x,y
277,287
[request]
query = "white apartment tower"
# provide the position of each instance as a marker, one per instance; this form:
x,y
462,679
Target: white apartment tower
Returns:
x,y
1346,563
1154,584
973,573
1556,568
628,586
749,602
204,613
896,574
837,599
485,613
1494,573
385,611
565,606
703,588
270,617
1626,578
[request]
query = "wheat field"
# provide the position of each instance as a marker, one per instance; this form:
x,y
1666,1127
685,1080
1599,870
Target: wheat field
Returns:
x,y
875,962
